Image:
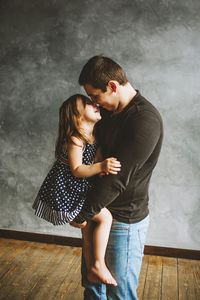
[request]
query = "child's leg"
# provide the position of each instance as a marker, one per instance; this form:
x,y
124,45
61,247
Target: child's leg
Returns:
x,y
87,234
101,233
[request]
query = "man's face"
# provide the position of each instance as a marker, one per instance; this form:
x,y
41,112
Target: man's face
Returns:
x,y
106,99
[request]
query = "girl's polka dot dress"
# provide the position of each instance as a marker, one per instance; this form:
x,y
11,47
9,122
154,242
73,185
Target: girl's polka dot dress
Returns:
x,y
62,195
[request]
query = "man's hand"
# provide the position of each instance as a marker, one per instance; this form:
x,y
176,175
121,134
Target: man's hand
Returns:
x,y
82,225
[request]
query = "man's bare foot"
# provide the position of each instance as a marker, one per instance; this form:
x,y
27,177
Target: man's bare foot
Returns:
x,y
99,272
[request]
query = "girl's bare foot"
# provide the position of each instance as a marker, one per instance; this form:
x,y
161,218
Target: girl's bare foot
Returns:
x,y
99,272
92,278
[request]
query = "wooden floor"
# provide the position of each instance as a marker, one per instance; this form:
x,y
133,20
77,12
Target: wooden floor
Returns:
x,y
38,271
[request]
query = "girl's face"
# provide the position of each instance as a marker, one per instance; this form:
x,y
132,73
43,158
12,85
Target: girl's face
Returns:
x,y
89,112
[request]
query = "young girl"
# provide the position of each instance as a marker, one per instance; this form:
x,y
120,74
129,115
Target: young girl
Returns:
x,y
63,192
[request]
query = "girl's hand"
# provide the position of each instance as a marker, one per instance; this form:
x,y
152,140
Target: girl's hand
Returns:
x,y
111,166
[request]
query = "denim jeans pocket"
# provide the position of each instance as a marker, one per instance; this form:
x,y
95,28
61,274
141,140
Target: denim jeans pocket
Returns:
x,y
118,237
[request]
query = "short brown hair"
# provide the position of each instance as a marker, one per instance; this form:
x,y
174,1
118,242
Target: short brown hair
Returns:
x,y
99,70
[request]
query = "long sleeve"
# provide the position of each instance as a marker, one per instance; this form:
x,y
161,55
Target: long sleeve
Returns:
x,y
141,132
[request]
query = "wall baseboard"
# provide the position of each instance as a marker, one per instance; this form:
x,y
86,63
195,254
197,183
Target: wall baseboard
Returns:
x,y
172,252
77,242
40,237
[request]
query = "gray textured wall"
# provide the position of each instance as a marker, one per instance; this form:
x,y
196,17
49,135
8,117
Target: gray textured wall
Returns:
x,y
44,44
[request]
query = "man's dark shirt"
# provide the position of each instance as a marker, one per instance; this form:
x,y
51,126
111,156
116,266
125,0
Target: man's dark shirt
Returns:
x,y
134,136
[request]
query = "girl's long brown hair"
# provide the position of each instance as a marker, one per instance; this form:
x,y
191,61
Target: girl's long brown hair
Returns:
x,y
69,117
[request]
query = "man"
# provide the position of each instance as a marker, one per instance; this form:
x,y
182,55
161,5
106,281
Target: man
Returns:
x,y
130,130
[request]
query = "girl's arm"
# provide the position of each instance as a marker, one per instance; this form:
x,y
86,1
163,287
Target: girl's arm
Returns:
x,y
78,169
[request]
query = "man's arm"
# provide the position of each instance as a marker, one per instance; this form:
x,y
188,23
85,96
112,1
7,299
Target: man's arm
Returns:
x,y
141,135
78,169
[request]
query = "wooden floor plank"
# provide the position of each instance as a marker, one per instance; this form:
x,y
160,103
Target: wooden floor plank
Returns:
x,y
169,279
7,247
40,277
25,280
152,289
4,245
38,271
17,265
189,276
142,278
54,276
71,286
11,259
196,275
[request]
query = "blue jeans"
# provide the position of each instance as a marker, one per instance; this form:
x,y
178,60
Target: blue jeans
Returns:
x,y
123,257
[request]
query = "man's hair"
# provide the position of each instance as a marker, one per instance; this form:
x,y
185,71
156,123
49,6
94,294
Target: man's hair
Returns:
x,y
99,70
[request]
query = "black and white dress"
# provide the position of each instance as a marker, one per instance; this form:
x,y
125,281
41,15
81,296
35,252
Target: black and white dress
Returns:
x,y
62,195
